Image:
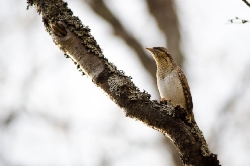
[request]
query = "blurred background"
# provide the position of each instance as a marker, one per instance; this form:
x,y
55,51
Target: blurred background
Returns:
x,y
50,115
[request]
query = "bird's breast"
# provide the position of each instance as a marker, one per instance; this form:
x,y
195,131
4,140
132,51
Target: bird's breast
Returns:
x,y
170,88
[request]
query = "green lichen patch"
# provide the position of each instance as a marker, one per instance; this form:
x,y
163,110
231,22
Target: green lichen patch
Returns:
x,y
56,10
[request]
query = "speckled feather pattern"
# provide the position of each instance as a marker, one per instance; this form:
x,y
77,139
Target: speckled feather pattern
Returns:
x,y
186,91
171,81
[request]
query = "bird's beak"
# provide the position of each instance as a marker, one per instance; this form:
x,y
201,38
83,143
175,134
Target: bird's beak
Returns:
x,y
151,50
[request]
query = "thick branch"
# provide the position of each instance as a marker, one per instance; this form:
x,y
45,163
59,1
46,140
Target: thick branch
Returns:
x,y
76,41
99,7
165,14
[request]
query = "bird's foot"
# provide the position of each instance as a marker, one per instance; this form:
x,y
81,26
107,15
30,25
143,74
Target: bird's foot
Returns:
x,y
163,99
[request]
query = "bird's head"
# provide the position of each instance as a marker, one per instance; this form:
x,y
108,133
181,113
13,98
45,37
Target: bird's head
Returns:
x,y
161,55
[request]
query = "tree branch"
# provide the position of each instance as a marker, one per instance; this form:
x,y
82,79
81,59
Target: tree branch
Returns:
x,y
99,7
165,14
238,20
75,40
247,3
167,20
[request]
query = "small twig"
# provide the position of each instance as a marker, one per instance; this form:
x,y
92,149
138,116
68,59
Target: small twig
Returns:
x,y
238,20
247,3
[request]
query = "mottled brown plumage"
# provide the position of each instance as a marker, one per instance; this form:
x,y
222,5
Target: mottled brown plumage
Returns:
x,y
171,81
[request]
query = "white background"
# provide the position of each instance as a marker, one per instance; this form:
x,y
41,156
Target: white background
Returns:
x,y
59,118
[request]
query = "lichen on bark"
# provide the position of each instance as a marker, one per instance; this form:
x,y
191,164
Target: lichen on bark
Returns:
x,y
76,41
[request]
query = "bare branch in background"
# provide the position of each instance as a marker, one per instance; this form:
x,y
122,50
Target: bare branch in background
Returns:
x,y
167,20
247,3
166,17
229,107
15,113
238,20
75,40
99,7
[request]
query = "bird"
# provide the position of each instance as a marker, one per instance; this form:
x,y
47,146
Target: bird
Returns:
x,y
171,81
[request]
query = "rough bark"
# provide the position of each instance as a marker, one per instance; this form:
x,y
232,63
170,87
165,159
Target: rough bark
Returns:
x,y
99,7
166,17
75,40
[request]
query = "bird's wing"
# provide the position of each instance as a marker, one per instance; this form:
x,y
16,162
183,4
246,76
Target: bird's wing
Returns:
x,y
186,90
